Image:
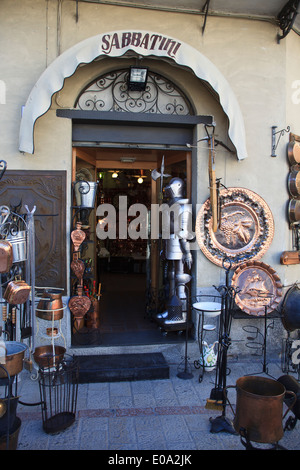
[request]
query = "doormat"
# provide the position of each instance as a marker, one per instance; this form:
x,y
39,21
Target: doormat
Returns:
x,y
122,367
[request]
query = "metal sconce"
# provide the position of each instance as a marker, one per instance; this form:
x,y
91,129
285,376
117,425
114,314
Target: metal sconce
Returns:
x,y
137,78
274,143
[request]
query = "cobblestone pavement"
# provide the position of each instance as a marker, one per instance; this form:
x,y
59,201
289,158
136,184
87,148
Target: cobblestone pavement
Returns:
x,y
155,415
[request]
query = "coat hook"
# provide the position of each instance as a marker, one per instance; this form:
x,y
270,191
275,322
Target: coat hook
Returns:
x,y
274,143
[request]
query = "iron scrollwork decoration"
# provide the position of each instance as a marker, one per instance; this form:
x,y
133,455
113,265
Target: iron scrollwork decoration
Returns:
x,y
245,231
110,93
286,17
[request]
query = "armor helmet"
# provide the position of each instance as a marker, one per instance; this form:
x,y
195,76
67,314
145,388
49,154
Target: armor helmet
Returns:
x,y
174,188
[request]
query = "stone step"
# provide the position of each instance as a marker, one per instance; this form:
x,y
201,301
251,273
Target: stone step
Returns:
x,y
122,367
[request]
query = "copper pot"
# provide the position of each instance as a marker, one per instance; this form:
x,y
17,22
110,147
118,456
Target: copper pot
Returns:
x,y
50,306
294,182
14,357
290,309
6,256
17,292
294,211
293,152
259,408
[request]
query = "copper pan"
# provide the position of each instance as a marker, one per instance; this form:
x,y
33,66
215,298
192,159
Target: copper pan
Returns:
x,y
293,152
294,182
6,256
17,292
294,211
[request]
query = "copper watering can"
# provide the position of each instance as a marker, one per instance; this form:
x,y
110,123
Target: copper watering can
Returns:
x,y
259,408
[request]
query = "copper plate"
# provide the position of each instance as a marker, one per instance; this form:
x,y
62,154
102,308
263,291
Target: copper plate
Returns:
x,y
257,286
246,227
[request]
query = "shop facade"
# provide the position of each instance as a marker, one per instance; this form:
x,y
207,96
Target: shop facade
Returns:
x,y
69,116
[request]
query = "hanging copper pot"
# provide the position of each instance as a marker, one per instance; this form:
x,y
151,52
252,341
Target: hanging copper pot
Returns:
x,y
6,256
17,292
294,211
294,182
293,152
290,309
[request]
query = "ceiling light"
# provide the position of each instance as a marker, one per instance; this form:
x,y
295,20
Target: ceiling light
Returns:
x,y
128,159
137,78
140,180
114,175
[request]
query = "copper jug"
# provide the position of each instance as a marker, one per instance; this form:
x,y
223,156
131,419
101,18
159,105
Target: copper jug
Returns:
x,y
50,306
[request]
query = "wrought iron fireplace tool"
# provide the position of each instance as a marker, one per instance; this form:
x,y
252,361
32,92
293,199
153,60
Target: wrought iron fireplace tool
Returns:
x,y
217,398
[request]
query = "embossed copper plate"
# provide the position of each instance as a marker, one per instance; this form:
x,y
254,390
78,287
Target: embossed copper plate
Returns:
x,y
245,231
257,285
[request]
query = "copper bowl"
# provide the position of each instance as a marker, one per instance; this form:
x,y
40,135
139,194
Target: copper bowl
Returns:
x,y
47,356
14,357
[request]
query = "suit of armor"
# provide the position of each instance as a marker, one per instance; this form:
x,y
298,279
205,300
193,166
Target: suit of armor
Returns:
x,y
177,247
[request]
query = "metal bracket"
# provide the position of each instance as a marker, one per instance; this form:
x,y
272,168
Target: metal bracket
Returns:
x,y
274,143
286,18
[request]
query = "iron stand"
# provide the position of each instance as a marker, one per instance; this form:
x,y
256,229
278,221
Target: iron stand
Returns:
x,y
222,423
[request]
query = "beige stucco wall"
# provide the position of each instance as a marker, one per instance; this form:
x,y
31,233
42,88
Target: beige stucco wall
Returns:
x,y
260,71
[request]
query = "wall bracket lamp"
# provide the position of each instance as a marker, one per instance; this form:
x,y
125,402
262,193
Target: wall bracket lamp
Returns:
x,y
137,78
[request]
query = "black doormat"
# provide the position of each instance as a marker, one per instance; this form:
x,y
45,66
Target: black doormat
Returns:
x,y
122,367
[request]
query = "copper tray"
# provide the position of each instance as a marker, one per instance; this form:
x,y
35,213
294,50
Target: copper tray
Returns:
x,y
258,286
245,231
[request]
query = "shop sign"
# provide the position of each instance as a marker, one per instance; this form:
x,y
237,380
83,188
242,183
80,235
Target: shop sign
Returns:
x,y
147,41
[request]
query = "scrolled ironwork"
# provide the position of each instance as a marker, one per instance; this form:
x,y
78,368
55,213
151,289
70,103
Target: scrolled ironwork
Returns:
x,y
110,93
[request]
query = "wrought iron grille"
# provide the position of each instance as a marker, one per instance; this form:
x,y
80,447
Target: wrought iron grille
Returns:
x,y
110,93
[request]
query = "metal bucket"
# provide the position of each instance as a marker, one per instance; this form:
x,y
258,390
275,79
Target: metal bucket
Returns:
x,y
259,408
19,246
85,193
290,309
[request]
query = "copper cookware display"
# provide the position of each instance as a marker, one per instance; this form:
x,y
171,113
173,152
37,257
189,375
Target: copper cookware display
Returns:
x,y
80,304
258,288
17,292
245,231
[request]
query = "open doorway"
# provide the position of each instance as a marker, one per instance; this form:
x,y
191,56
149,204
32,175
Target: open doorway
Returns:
x,y
128,273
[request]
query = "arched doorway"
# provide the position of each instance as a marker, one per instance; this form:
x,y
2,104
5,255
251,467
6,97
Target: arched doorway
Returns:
x,y
129,271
